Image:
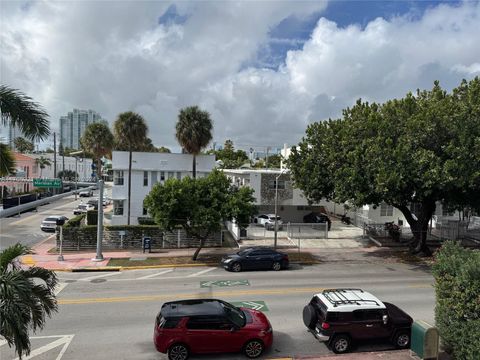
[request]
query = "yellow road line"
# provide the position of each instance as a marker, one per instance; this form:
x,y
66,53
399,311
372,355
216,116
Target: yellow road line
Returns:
x,y
224,293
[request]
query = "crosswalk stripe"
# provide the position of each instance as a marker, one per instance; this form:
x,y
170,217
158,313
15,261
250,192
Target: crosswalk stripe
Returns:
x,y
156,274
98,276
202,272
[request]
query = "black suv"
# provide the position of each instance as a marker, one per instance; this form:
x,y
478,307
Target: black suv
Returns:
x,y
341,316
318,218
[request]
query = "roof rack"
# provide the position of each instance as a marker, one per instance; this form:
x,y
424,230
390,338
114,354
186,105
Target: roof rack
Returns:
x,y
342,299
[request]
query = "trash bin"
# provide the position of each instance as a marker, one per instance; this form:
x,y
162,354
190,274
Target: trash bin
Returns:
x,y
147,244
425,340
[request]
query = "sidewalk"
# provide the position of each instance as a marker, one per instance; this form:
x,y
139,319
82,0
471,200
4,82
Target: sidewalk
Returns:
x,y
82,261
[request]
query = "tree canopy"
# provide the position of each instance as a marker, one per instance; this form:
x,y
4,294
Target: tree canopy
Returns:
x,y
98,140
199,206
230,158
23,145
418,150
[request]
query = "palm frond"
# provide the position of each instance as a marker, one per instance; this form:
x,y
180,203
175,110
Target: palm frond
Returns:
x,y
20,110
8,255
7,161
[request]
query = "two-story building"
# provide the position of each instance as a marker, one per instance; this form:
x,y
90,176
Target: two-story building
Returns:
x,y
147,170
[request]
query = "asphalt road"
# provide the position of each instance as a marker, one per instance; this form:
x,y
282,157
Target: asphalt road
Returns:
x,y
110,315
26,227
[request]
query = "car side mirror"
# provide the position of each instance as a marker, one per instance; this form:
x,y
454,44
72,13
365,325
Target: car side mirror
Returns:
x,y
385,319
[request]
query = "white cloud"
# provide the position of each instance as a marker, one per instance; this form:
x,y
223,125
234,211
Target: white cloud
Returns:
x,y
115,56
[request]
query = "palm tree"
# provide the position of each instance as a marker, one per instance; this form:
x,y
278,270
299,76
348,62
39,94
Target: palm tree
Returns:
x,y
42,162
130,130
98,140
7,161
23,145
19,110
27,297
193,131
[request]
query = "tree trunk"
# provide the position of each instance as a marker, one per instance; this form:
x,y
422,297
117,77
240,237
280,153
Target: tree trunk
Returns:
x,y
419,226
129,185
200,246
194,167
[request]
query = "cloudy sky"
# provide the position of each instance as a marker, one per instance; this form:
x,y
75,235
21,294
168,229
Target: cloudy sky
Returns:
x,y
264,70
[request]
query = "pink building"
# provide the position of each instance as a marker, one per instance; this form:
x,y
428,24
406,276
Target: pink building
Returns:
x,y
25,168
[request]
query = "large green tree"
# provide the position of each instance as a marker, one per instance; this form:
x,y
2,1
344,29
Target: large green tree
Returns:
x,y
97,140
230,158
19,110
418,150
27,298
23,145
68,175
130,133
199,206
194,132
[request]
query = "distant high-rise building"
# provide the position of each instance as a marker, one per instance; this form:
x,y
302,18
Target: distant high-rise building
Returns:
x,y
73,125
9,132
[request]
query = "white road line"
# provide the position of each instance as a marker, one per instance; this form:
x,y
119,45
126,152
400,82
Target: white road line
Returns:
x,y
63,340
153,275
98,276
202,272
60,287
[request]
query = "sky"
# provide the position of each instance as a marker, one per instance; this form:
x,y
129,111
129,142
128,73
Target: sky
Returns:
x,y
263,70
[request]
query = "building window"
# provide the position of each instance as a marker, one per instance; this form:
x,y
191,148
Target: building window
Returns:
x,y
118,207
272,184
162,175
144,211
171,174
145,178
386,210
118,177
179,175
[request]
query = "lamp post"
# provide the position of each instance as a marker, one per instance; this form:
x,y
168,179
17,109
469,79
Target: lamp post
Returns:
x,y
99,256
276,205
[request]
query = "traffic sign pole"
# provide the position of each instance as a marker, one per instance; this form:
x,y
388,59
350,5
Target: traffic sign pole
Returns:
x,y
99,256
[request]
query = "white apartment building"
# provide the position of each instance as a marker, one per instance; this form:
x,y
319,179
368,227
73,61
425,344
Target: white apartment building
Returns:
x,y
82,166
73,125
147,170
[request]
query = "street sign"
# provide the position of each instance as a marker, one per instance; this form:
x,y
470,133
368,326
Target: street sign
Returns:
x,y
47,183
223,283
255,305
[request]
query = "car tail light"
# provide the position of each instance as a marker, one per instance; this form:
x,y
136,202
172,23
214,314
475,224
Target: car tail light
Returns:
x,y
325,325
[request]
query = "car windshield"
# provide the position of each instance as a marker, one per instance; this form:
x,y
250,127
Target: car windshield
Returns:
x,y
234,314
244,252
50,219
273,218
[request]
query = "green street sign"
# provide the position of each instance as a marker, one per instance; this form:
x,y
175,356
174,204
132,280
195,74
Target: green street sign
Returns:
x,y
222,283
255,305
47,183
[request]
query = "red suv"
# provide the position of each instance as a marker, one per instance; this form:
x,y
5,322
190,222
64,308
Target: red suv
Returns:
x,y
210,326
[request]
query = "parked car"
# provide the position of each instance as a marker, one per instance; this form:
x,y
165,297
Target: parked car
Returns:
x,y
317,218
82,209
268,221
340,317
93,202
50,223
210,326
256,258
85,193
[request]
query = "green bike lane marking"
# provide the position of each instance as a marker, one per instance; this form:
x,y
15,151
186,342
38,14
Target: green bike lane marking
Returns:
x,y
224,283
251,304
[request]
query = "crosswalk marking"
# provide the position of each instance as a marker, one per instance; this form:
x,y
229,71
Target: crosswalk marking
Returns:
x,y
98,276
60,287
64,340
153,275
202,272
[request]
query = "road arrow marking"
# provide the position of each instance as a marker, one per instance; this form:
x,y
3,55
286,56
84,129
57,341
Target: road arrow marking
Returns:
x,y
254,305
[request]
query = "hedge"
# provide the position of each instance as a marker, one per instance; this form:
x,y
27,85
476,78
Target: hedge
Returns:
x,y
146,221
75,221
457,311
92,217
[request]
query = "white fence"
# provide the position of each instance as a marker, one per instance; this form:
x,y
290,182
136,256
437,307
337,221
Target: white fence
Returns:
x,y
307,231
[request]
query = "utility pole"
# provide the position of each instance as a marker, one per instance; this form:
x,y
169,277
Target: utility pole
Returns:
x,y
99,256
276,206
54,155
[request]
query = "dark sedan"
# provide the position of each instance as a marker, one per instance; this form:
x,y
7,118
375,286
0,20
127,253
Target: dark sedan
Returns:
x,y
256,259
318,218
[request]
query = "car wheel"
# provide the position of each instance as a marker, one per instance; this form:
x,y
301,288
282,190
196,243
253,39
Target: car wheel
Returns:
x,y
341,344
402,340
178,352
276,266
253,349
309,316
236,267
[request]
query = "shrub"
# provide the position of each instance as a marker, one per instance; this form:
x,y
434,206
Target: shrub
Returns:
x,y
146,221
92,217
457,311
75,221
